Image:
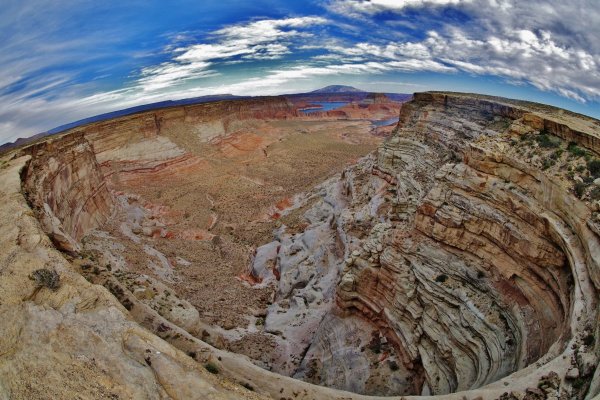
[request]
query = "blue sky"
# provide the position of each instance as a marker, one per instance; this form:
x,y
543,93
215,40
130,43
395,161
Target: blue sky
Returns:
x,y
63,60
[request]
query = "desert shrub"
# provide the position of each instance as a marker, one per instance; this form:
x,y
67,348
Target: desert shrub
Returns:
x,y
47,278
248,386
588,340
556,155
212,368
375,344
548,162
455,158
575,150
595,193
547,141
393,365
441,278
580,189
594,167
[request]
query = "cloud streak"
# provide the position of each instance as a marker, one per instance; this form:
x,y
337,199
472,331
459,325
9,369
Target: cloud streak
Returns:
x,y
259,40
355,8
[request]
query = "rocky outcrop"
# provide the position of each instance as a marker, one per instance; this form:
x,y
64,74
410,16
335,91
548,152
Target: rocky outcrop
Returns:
x,y
376,98
65,187
76,340
472,263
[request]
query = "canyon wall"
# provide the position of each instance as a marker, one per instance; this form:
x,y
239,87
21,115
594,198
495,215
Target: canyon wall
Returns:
x,y
472,262
67,180
65,186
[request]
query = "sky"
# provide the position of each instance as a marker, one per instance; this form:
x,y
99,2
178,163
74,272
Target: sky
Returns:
x,y
64,60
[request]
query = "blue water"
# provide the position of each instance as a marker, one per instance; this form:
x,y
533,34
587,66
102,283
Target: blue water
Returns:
x,y
386,122
323,106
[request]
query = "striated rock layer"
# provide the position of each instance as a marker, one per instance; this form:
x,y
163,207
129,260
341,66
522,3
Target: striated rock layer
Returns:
x,y
454,262
471,262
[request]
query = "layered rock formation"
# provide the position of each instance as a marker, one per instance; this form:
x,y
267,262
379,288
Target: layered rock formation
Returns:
x,y
472,263
64,184
453,262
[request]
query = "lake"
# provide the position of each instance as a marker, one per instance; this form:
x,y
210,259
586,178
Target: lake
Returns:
x,y
323,106
386,122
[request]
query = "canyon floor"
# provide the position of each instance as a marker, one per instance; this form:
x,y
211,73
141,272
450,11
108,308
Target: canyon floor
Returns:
x,y
215,214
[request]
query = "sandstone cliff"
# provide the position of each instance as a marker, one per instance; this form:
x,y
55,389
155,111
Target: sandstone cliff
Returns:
x,y
472,263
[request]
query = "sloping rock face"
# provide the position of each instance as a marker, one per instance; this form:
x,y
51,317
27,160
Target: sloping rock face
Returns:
x,y
75,340
65,186
454,262
471,262
469,280
129,146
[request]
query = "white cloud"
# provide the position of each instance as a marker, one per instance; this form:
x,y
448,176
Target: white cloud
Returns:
x,y
533,42
357,7
266,39
267,30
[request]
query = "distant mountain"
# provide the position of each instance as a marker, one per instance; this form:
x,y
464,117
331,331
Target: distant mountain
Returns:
x,y
21,142
338,89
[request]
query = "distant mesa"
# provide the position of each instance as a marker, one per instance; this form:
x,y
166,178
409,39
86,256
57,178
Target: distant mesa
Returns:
x,y
338,89
376,98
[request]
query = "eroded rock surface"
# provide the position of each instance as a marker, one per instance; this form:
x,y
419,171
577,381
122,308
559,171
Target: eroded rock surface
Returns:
x,y
455,261
471,262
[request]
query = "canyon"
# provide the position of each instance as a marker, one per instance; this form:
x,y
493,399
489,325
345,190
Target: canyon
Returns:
x,y
245,249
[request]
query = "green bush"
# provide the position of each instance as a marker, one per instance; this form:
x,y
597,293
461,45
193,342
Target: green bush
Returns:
x,y
547,141
575,150
548,162
212,368
580,189
594,167
556,155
